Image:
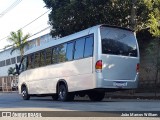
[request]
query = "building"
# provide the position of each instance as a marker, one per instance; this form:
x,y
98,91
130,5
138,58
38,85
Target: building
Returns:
x,y
8,60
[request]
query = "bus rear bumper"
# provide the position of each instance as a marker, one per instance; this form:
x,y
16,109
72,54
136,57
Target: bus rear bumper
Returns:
x,y
118,84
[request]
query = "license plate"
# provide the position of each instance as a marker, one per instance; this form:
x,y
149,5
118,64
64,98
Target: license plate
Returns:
x,y
120,84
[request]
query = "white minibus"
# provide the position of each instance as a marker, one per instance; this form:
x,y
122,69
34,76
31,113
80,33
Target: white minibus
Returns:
x,y
91,62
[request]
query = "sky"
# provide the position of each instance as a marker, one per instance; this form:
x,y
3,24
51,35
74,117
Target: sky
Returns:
x,y
22,14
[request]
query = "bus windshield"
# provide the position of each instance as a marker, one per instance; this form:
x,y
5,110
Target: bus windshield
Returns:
x,y
117,41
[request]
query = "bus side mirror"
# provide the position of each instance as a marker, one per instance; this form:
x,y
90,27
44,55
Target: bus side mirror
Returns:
x,y
17,69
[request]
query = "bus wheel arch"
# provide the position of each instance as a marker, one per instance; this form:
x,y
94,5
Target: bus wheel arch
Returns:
x,y
62,91
24,91
60,82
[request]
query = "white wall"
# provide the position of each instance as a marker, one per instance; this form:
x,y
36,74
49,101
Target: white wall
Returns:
x,y
6,55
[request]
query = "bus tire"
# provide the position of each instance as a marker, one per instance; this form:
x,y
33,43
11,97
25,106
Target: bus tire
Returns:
x,y
63,94
96,96
25,94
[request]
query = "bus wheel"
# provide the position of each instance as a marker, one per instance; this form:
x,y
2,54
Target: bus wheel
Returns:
x,y
63,94
96,96
25,94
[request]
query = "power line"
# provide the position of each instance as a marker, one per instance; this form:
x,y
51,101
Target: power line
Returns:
x,y
28,23
33,34
40,31
34,20
4,38
10,8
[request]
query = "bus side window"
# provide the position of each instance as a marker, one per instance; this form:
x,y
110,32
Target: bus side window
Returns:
x,y
24,64
37,59
62,53
69,51
54,55
79,48
42,58
48,56
88,47
30,61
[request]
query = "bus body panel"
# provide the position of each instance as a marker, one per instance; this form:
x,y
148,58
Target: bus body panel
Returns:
x,y
119,67
118,70
78,74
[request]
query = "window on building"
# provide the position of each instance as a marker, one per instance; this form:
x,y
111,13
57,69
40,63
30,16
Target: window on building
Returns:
x,y
3,63
88,47
13,60
18,59
79,48
8,62
69,52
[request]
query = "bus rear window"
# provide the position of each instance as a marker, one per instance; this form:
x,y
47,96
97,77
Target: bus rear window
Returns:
x,y
117,41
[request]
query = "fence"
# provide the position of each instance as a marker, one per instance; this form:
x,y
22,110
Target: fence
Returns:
x,y
147,77
8,83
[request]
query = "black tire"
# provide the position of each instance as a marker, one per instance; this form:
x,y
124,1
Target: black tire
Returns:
x,y
25,94
96,96
63,94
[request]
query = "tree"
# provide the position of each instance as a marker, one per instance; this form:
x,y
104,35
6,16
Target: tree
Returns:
x,y
69,16
11,71
149,27
18,41
153,24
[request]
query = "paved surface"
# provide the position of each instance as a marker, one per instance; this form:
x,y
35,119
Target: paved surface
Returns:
x,y
125,95
9,101
14,102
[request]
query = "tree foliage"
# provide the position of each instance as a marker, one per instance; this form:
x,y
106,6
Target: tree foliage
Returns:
x,y
18,41
12,71
69,16
153,24
154,17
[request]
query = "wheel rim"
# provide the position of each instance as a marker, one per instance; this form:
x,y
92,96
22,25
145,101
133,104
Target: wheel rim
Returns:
x,y
24,93
62,93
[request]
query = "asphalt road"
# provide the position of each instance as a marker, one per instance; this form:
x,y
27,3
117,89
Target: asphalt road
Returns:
x,y
14,102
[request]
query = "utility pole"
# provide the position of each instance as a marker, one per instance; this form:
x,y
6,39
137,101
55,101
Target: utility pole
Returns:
x,y
133,15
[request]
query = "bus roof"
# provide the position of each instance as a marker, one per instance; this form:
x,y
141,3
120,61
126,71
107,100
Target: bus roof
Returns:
x,y
71,37
112,26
